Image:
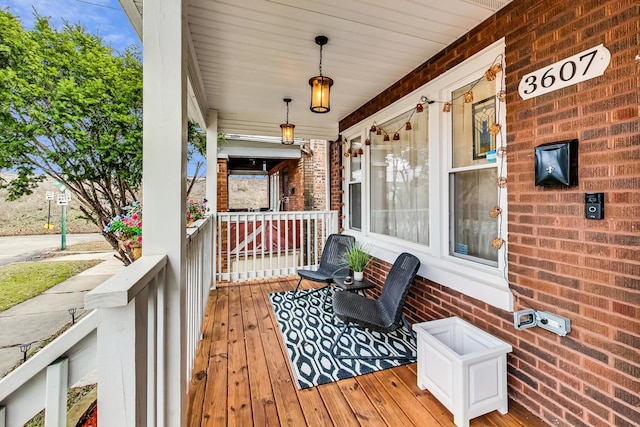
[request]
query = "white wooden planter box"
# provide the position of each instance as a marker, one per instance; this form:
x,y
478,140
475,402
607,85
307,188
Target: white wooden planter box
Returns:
x,y
463,366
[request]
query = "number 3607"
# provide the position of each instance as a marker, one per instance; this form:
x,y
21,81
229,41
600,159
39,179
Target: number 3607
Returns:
x,y
577,68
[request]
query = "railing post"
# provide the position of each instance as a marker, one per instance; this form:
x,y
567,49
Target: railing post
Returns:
x,y
3,416
122,360
55,413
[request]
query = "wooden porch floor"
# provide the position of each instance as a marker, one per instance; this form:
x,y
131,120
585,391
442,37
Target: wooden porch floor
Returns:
x,y
242,377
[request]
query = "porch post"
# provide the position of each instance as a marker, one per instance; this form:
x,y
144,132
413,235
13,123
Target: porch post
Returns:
x,y
164,190
211,190
212,161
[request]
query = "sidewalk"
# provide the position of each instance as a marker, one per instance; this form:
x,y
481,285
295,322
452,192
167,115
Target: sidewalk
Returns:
x,y
21,248
41,317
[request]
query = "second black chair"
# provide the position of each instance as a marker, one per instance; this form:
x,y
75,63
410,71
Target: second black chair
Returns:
x,y
332,265
383,314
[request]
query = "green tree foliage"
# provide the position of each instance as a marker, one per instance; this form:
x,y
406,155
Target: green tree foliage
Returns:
x,y
71,108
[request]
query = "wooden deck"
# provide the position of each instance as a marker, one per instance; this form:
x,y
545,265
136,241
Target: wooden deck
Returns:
x,y
242,377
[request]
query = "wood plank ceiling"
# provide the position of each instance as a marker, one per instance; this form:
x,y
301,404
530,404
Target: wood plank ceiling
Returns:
x,y
250,54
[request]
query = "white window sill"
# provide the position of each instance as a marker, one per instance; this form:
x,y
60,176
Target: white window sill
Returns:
x,y
478,281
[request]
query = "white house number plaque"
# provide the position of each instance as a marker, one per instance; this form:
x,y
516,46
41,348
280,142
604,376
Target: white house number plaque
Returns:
x,y
575,69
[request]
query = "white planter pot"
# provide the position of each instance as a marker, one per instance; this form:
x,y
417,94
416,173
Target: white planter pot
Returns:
x,y
358,275
463,366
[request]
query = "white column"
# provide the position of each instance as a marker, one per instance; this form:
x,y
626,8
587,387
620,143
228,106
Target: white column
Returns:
x,y
164,187
211,190
212,160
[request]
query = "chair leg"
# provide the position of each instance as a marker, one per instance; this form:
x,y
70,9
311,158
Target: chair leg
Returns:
x,y
295,292
406,325
298,293
344,328
326,297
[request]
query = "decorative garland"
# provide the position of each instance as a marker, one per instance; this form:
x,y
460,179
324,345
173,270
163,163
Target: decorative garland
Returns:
x,y
495,130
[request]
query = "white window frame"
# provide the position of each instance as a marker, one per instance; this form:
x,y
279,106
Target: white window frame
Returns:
x,y
480,281
348,181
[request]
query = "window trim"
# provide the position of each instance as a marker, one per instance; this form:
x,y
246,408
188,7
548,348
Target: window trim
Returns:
x,y
483,282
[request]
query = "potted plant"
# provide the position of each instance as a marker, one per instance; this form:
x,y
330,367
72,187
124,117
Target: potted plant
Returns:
x,y
196,211
357,258
127,228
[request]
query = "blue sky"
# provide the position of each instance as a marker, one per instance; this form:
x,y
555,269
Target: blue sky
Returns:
x,y
102,17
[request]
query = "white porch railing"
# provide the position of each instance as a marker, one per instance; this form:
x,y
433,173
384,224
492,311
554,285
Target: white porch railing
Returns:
x,y
43,380
200,279
123,338
270,244
130,355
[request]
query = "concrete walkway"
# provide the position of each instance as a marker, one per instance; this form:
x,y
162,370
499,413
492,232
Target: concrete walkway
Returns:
x,y
21,248
41,317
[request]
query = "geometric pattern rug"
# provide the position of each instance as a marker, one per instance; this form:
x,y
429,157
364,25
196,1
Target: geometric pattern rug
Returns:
x,y
308,331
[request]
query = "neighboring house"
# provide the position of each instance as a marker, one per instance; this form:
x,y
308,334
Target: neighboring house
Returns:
x,y
296,174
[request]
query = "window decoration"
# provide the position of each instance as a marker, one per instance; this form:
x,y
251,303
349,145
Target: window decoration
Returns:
x,y
489,133
490,75
399,180
484,126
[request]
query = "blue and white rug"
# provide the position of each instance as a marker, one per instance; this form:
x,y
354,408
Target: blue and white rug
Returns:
x,y
308,333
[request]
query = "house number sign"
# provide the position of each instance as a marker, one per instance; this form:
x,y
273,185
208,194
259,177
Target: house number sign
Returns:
x,y
574,69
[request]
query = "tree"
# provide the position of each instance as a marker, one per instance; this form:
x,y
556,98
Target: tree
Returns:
x,y
71,109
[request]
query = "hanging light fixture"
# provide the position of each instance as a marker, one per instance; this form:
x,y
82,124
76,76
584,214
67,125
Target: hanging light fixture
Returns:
x,y
287,129
320,85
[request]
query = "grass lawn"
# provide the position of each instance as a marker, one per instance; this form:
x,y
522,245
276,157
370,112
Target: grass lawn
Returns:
x,y
97,246
23,280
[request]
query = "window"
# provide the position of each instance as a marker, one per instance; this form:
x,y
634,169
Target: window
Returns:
x,y
400,179
355,184
473,173
432,190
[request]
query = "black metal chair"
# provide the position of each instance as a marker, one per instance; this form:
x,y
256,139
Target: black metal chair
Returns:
x,y
383,314
332,265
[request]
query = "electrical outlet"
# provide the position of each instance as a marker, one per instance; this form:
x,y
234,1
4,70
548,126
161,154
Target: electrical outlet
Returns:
x,y
554,323
524,319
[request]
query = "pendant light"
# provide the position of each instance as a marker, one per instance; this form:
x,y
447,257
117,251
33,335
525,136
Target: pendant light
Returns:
x,y
320,85
287,129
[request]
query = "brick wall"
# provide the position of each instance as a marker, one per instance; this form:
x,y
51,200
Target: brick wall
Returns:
x,y
335,172
314,175
223,186
583,269
223,206
317,177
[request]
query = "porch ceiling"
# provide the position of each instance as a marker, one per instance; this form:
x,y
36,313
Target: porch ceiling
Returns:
x,y
250,54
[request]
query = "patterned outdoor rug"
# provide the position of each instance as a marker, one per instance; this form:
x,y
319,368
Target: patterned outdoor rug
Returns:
x,y
308,332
